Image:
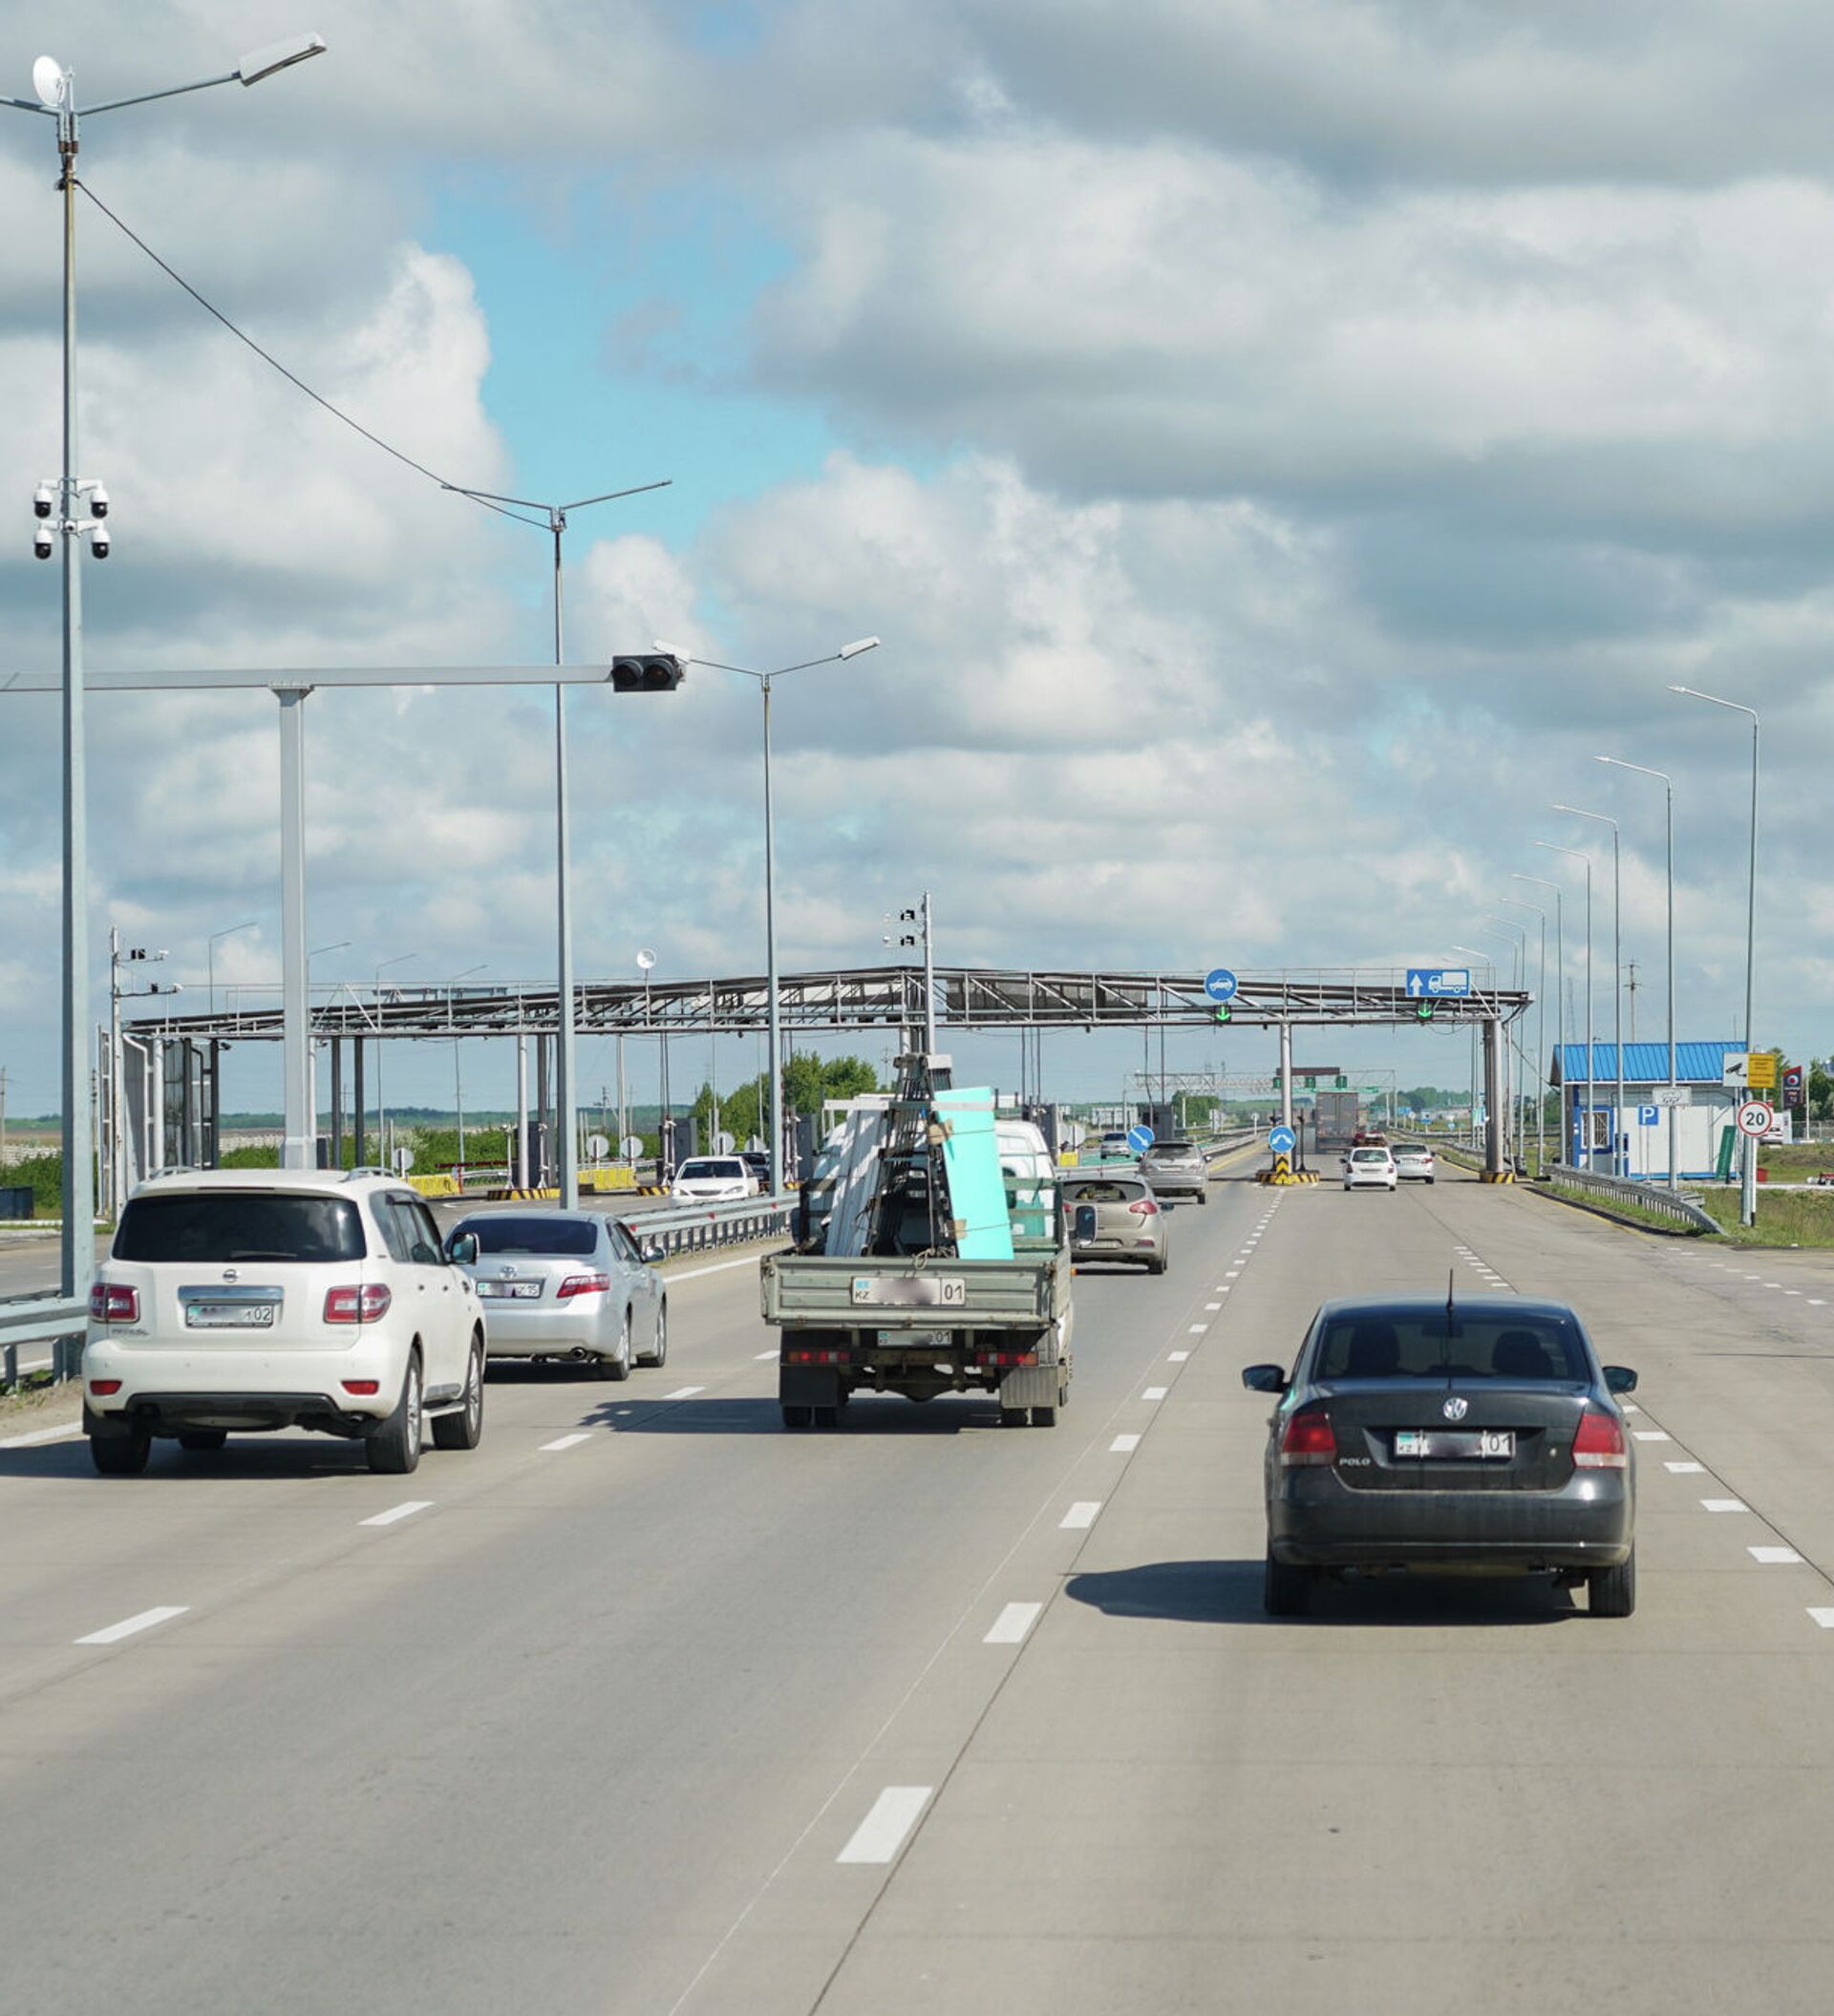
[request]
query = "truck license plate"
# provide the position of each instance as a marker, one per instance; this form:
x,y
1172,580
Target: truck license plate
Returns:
x,y
909,1291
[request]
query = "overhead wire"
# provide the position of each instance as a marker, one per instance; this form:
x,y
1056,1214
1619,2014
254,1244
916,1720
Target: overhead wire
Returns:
x,y
293,378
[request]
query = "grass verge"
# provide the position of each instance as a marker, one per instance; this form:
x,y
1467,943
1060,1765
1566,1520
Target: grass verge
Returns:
x,y
1785,1217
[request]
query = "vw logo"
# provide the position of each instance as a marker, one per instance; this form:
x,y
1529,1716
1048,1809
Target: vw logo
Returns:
x,y
1456,1408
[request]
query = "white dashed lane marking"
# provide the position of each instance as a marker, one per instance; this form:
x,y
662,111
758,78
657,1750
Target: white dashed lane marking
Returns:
x,y
565,1442
1650,1434
1123,1445
1723,1504
1080,1516
1155,1393
1685,1470
1823,1616
1011,1624
1197,1329
1774,1557
403,1511
144,1621
880,1834
684,1392
1178,1357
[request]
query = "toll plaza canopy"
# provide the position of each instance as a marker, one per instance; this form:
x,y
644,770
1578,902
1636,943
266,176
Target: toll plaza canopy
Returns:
x,y
863,997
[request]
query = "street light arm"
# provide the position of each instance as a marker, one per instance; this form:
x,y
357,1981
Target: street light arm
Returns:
x,y
175,90
1642,768
1713,699
1579,812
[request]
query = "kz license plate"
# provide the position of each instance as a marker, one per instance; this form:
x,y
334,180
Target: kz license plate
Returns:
x,y
1453,1445
229,1315
910,1292
510,1291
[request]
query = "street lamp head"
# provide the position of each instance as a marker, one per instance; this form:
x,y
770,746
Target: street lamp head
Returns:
x,y
862,644
273,57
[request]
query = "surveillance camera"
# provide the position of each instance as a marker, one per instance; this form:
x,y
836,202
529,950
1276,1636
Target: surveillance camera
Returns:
x,y
41,501
98,542
98,501
41,542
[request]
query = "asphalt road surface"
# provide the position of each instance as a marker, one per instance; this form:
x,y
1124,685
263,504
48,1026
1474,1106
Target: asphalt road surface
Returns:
x,y
649,1707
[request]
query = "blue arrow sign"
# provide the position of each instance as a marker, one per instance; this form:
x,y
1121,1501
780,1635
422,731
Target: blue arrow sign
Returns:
x,y
1141,1139
1437,982
1281,1140
1220,984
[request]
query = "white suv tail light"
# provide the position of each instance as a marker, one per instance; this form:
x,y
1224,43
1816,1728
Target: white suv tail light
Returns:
x,y
369,1303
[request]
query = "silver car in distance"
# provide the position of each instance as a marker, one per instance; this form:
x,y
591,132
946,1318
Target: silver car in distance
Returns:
x,y
566,1284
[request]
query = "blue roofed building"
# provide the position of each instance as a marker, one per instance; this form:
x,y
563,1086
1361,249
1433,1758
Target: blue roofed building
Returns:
x,y
1632,1138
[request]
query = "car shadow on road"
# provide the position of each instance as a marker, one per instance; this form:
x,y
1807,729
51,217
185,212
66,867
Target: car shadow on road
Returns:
x,y
632,1414
1229,1593
242,1457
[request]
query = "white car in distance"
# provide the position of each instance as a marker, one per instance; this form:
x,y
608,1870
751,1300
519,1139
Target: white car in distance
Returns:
x,y
711,1178
241,1300
1415,1164
1370,1168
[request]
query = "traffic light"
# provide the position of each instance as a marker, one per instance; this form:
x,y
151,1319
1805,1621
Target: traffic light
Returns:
x,y
1343,1084
659,672
1423,1009
1222,1013
1309,1084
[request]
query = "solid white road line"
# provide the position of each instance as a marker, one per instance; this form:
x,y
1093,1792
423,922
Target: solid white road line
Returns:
x,y
1774,1557
1011,1624
880,1834
1823,1616
684,1392
1155,1393
1685,1470
1723,1504
127,1628
1081,1514
397,1512
1123,1445
566,1442
42,1434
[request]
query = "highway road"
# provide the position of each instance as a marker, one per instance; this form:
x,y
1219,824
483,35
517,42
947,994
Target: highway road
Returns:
x,y
649,1707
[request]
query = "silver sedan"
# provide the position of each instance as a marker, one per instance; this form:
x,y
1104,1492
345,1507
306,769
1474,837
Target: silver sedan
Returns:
x,y
571,1285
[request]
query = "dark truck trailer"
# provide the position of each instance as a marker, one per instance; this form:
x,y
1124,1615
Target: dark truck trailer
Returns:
x,y
1336,1118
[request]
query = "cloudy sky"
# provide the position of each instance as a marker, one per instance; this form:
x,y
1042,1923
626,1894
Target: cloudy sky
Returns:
x,y
1280,442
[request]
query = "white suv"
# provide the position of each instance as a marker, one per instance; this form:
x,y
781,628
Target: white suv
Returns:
x,y
251,1299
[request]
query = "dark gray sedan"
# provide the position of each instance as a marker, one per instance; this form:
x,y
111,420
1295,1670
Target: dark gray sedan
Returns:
x,y
1422,1434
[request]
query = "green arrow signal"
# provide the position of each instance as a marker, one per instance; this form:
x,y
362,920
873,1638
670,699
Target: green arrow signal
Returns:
x,y
1424,1010
1223,1013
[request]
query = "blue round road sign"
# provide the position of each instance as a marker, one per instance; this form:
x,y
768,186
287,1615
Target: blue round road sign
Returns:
x,y
1281,1140
1140,1139
1220,984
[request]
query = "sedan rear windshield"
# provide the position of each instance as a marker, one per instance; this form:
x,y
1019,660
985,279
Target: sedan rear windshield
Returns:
x,y
1369,1154
1103,1193
207,1227
1426,1347
532,1236
1161,1149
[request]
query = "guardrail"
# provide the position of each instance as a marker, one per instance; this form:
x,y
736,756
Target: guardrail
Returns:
x,y
688,1228
1646,1197
43,1319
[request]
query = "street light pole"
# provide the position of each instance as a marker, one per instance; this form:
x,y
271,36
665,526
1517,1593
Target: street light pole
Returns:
x,y
1541,1031
1748,1164
1617,976
774,1006
211,955
1503,927
566,1111
1473,952
1541,882
381,1045
1591,1055
1667,786
56,100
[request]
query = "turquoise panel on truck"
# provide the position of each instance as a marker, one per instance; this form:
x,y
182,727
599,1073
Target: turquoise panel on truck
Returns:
x,y
971,1163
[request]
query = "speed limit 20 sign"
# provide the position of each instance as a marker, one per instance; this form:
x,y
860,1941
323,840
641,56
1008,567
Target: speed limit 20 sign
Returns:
x,y
1754,1117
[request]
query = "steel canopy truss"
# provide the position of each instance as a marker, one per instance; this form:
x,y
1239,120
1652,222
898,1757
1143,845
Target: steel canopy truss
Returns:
x,y
852,999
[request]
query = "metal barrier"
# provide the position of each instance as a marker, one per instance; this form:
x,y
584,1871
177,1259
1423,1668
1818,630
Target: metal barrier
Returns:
x,y
1646,1197
688,1228
43,1319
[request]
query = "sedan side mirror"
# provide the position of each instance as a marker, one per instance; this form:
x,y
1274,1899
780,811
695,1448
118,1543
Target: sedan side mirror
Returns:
x,y
652,1252
461,1249
1265,1378
1619,1379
